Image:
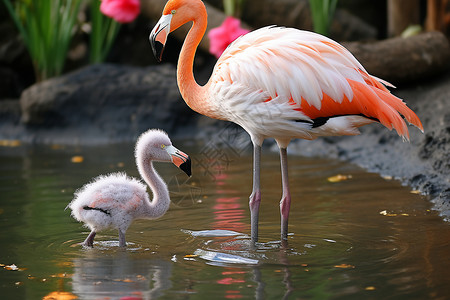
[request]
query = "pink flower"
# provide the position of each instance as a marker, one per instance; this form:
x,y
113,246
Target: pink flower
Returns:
x,y
123,11
220,37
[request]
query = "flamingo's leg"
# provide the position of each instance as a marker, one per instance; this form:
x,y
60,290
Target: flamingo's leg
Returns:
x,y
89,241
285,203
122,242
255,197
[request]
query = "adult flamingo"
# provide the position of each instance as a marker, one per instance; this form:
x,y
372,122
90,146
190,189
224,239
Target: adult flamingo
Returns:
x,y
282,83
115,200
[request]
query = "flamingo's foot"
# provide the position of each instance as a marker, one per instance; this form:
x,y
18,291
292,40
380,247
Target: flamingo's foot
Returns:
x,y
254,202
122,242
285,206
89,241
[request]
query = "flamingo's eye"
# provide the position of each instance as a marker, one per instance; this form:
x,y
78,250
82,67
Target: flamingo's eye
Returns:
x,y
173,11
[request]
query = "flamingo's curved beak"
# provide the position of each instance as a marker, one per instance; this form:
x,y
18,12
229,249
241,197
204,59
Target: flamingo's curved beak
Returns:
x,y
158,36
180,159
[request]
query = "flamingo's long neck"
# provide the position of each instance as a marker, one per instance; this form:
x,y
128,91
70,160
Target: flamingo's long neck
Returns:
x,y
193,94
161,200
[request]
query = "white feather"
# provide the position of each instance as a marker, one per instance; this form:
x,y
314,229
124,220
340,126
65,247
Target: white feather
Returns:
x,y
268,67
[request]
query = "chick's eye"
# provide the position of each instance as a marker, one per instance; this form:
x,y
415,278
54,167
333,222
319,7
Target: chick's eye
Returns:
x,y
173,12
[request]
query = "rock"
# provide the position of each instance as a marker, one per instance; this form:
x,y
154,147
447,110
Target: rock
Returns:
x,y
105,103
404,60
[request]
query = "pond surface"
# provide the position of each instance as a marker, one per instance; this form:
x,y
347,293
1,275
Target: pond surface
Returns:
x,y
360,237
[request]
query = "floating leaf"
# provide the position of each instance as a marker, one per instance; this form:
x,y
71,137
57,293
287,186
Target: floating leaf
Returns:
x,y
67,264
417,192
385,213
370,288
190,255
12,267
60,296
61,275
344,266
77,159
339,178
141,278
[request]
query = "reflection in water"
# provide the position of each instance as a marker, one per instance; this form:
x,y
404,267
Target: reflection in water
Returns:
x,y
228,211
119,275
60,294
340,246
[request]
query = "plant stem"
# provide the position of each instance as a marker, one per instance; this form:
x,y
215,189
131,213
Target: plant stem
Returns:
x,y
322,12
103,34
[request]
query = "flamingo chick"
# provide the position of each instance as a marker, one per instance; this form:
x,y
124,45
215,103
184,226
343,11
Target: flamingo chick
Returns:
x,y
115,200
280,83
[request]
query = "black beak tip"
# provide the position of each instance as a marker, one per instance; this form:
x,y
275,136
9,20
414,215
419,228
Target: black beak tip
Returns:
x,y
186,167
158,49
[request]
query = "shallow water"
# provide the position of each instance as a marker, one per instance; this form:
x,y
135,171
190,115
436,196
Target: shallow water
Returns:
x,y
365,237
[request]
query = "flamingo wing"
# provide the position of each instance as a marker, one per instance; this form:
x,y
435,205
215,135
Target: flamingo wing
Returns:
x,y
296,75
110,193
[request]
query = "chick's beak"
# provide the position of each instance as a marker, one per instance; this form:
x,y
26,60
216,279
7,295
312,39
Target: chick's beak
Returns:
x,y
180,159
158,36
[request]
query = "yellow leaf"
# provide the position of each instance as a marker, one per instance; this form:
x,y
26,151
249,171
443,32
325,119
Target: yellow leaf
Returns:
x,y
77,159
370,288
339,178
344,266
60,275
65,264
385,213
60,296
190,255
417,192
